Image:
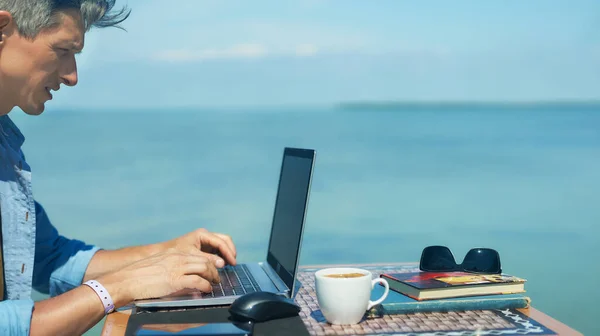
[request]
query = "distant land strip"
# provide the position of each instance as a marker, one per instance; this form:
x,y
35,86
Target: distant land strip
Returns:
x,y
412,105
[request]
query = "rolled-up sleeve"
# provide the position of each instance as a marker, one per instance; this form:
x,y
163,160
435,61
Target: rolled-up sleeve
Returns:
x,y
15,317
60,263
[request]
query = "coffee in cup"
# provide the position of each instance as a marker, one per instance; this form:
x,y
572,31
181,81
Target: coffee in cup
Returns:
x,y
344,293
345,275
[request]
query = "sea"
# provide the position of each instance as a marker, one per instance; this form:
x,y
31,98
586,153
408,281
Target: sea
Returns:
x,y
522,179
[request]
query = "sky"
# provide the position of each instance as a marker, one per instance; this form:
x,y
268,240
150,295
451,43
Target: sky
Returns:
x,y
239,53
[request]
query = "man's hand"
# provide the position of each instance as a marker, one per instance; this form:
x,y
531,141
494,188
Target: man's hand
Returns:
x,y
162,274
217,247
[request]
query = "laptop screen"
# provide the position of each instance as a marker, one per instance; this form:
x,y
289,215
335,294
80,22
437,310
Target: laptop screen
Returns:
x,y
290,210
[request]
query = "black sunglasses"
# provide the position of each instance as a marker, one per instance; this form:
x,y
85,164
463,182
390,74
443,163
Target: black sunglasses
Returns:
x,y
477,260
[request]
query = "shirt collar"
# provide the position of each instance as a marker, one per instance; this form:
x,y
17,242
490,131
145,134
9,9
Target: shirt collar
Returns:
x,y
11,132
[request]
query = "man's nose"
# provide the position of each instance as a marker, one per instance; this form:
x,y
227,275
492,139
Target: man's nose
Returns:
x,y
69,73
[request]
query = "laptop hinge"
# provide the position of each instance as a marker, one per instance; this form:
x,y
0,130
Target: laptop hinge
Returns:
x,y
279,284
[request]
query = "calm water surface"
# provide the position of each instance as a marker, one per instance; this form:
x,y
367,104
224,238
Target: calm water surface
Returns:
x,y
387,183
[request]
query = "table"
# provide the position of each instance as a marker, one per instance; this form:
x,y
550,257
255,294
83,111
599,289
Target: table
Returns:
x,y
116,322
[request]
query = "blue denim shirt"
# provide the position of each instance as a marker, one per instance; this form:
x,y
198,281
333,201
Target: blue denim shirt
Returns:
x,y
35,255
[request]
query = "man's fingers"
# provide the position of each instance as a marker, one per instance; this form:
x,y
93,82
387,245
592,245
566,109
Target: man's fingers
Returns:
x,y
216,260
185,291
218,243
196,282
228,241
203,267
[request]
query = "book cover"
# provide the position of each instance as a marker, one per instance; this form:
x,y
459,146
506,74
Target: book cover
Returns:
x,y
398,303
435,285
434,280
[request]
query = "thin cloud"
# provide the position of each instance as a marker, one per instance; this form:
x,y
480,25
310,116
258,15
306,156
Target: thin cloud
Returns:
x,y
306,50
240,51
236,52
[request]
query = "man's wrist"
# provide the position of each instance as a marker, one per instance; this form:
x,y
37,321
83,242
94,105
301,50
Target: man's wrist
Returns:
x,y
118,289
103,294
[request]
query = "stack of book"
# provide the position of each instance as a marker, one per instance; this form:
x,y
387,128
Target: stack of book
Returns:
x,y
450,291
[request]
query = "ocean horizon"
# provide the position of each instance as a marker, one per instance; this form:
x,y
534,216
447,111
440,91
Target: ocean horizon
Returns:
x,y
387,182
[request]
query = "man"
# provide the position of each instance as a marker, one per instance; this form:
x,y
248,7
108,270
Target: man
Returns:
x,y
38,43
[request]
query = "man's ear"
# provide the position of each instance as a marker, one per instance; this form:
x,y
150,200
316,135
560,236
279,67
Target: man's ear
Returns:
x,y
6,21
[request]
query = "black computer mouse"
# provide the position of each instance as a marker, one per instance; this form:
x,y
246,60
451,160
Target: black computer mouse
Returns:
x,y
262,306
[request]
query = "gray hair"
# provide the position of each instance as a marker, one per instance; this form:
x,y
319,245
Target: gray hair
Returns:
x,y
33,16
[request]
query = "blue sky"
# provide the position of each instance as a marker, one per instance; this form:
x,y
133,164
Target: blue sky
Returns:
x,y
318,52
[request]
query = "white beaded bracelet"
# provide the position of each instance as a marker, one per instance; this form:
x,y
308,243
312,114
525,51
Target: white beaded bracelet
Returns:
x,y
107,301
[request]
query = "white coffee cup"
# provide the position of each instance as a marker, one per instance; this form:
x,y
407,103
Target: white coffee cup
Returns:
x,y
344,300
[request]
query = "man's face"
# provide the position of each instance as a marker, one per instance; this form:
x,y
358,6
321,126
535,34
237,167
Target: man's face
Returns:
x,y
30,69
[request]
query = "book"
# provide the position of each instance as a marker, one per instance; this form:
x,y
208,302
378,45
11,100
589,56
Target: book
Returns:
x,y
439,285
398,303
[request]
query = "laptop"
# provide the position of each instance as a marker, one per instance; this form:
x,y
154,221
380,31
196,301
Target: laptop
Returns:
x,y
277,272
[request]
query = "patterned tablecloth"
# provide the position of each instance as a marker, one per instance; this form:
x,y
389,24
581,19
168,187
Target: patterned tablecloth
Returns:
x,y
455,323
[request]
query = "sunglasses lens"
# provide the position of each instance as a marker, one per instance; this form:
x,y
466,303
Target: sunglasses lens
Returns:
x,y
482,261
437,259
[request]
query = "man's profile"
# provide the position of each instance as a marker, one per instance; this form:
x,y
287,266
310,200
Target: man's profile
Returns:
x,y
38,43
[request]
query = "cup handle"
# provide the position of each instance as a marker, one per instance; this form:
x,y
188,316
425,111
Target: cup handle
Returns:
x,y
385,293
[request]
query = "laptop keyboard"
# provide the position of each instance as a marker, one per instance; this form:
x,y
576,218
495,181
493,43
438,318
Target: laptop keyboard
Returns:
x,y
235,280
